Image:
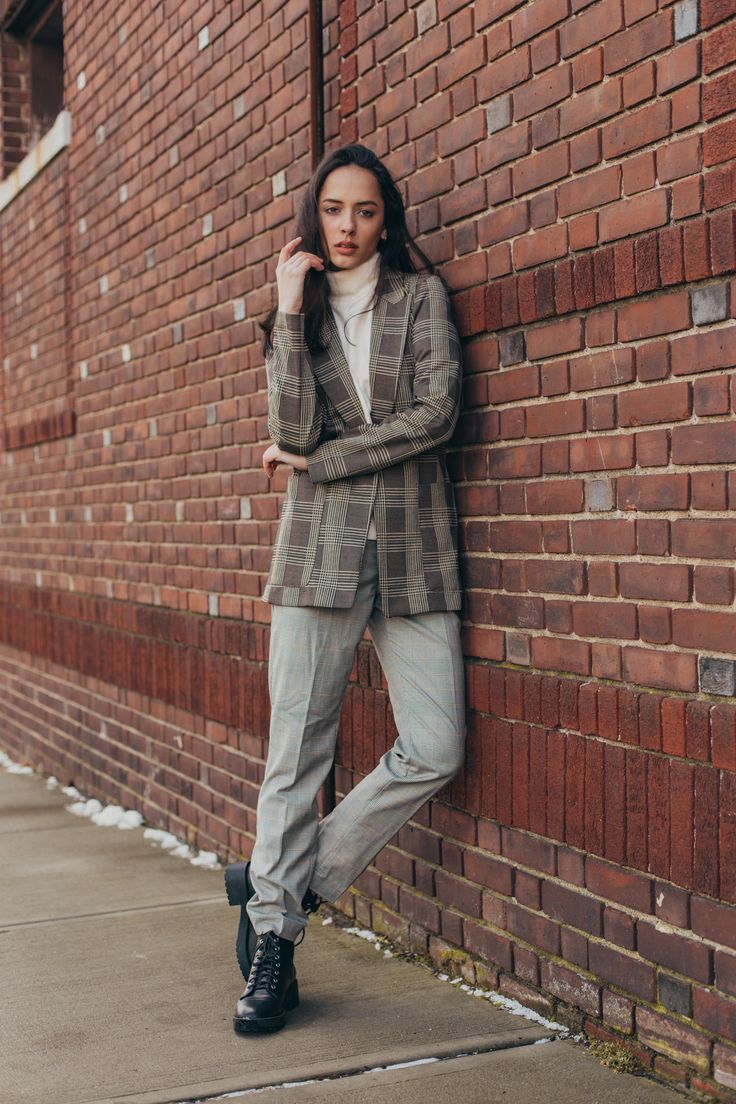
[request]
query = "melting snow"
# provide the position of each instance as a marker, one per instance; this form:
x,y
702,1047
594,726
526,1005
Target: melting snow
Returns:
x,y
12,767
115,816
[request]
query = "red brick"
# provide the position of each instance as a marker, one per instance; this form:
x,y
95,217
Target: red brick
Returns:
x,y
631,216
647,37
541,168
703,352
686,956
552,86
644,406
711,443
719,143
516,461
673,1038
601,453
718,96
625,970
618,928
714,1012
598,103
706,629
711,396
591,26
678,159
555,576
667,670
551,653
714,585
714,921
723,737
555,496
514,383
488,944
653,492
618,1011
719,48
677,67
607,537
722,227
639,84
607,619
663,582
640,128
505,72
506,146
554,419
573,988
712,538
663,315
552,339
508,222
535,249
532,20
605,369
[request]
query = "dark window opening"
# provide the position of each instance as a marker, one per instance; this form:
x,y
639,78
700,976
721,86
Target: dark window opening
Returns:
x,y
37,28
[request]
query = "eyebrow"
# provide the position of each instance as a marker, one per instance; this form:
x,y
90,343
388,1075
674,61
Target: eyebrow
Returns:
x,y
359,203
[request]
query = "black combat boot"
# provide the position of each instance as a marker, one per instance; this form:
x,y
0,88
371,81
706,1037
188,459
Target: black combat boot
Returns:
x,y
239,891
272,990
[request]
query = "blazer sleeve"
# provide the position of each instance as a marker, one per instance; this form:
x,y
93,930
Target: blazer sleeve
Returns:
x,y
295,413
432,415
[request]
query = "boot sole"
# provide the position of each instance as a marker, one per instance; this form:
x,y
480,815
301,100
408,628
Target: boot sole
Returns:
x,y
246,1025
239,891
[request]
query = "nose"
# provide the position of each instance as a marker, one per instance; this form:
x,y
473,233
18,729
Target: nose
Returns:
x,y
347,222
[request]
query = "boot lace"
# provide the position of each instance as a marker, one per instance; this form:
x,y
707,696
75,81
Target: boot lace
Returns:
x,y
266,965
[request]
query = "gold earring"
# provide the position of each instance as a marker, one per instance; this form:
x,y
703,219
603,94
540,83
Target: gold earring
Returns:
x,y
384,235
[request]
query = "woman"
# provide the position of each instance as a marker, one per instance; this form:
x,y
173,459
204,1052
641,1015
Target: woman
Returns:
x,y
364,384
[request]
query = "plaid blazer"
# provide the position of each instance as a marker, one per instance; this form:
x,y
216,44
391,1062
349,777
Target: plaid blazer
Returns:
x,y
394,466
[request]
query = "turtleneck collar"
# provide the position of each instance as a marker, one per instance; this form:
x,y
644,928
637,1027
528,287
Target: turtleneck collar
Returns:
x,y
351,281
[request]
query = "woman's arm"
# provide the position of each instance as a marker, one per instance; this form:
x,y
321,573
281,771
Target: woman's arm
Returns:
x,y
295,414
431,418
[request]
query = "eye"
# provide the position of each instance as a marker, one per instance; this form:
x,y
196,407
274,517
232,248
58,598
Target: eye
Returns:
x,y
329,210
368,213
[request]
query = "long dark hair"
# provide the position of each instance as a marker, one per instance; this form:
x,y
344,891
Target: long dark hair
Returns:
x,y
395,250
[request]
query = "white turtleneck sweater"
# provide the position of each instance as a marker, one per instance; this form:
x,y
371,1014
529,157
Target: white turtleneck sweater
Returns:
x,y
352,291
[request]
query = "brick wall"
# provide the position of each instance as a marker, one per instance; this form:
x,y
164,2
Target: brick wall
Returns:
x,y
570,169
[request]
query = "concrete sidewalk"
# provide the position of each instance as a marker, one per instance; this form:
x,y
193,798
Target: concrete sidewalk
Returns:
x,y
119,980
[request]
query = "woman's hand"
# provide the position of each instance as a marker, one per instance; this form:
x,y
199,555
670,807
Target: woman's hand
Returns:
x,y
273,456
291,271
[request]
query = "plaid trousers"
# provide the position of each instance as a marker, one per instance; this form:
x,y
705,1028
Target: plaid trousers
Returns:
x,y
311,655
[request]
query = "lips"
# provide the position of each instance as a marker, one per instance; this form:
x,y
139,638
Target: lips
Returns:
x,y
345,247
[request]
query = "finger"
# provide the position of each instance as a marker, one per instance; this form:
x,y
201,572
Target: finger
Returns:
x,y
289,248
304,261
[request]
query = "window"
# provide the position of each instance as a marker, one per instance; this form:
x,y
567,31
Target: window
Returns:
x,y
32,62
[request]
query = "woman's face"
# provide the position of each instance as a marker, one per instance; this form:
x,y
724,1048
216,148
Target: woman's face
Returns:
x,y
350,215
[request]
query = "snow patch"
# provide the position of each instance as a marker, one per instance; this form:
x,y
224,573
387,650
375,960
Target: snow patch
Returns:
x,y
514,1007
206,858
12,767
115,816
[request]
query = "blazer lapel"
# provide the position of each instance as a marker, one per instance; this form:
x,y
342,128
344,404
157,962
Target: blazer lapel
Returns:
x,y
388,337
389,327
333,375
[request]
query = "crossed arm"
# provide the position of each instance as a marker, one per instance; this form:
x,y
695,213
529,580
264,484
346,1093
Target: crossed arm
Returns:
x,y
296,418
